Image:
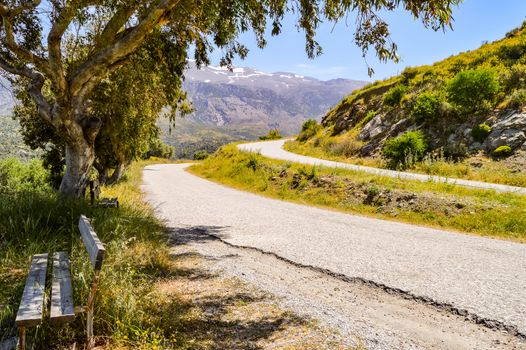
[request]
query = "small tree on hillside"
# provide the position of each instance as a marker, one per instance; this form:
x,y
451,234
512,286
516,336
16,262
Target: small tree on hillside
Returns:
x,y
60,82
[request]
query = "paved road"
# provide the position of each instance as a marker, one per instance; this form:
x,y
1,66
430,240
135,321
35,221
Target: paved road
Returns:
x,y
274,149
486,277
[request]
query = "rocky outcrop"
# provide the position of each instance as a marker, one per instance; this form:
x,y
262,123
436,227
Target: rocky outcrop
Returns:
x,y
508,131
456,139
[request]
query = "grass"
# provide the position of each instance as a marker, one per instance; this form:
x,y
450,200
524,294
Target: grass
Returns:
x,y
322,150
487,170
479,212
37,221
151,295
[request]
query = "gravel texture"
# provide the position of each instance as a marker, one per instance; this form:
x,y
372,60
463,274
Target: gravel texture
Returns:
x,y
484,278
360,313
274,149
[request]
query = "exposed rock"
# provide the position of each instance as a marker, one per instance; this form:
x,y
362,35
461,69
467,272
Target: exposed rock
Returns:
x,y
474,147
510,131
372,129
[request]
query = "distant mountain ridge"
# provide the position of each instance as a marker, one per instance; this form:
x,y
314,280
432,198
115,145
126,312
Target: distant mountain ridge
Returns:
x,y
246,97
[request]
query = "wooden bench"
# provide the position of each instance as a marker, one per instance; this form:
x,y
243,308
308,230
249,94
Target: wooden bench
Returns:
x,y
62,310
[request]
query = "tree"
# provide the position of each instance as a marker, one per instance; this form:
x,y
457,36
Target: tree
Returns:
x,y
129,102
109,32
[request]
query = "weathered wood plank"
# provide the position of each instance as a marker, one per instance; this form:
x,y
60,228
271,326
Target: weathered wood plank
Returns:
x,y
91,241
32,304
62,308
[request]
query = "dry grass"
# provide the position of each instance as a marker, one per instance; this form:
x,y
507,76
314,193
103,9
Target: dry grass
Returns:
x,y
476,168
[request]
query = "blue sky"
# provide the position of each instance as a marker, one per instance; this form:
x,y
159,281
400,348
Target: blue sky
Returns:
x,y
475,21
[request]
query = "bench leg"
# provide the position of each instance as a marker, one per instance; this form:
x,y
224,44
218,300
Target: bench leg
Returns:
x,y
22,338
89,328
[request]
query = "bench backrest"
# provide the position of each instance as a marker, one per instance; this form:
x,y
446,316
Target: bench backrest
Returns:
x,y
92,242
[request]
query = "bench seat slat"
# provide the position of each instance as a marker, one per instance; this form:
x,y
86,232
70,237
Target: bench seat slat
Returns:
x,y
62,307
91,241
32,304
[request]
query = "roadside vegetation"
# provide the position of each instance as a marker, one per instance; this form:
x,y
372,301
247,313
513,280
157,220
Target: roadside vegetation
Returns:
x,y
438,205
150,295
273,134
34,221
477,168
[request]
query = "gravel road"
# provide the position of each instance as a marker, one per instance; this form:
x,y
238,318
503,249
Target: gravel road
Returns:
x,y
359,313
482,277
274,149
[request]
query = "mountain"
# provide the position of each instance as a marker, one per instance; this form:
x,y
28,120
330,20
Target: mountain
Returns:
x,y
244,103
246,97
467,104
7,100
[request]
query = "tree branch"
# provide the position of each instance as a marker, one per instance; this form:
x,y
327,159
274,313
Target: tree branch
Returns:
x,y
114,25
35,88
95,68
54,39
7,14
12,12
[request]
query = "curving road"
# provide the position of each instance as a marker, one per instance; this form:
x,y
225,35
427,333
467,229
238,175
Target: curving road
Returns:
x,y
274,149
484,277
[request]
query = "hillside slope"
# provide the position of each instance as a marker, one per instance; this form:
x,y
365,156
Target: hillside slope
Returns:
x,y
467,104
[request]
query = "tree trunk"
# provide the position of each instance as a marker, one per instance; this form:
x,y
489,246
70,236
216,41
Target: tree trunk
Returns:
x,y
79,159
104,173
117,173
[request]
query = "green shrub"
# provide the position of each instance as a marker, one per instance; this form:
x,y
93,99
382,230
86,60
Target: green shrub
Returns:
x,y
502,152
201,155
159,149
395,95
309,129
405,150
253,161
409,74
426,107
516,77
455,151
473,90
16,176
512,52
480,132
272,135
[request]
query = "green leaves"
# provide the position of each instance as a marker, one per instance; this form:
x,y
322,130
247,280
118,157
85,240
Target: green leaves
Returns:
x,y
473,91
405,150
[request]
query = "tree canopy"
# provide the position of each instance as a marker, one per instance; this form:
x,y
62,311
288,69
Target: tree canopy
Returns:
x,y
66,49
